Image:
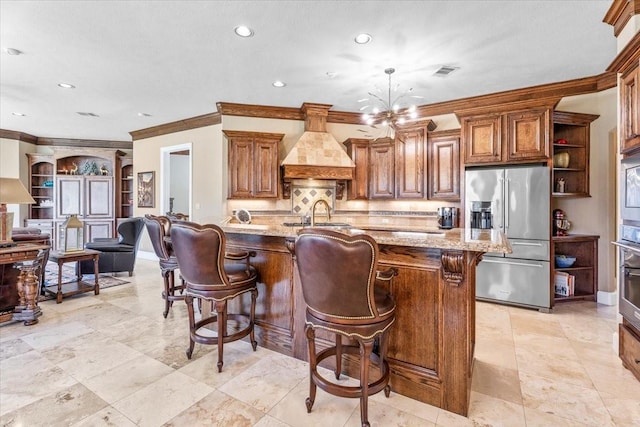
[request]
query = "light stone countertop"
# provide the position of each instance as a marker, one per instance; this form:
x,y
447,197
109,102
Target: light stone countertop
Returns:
x,y
414,236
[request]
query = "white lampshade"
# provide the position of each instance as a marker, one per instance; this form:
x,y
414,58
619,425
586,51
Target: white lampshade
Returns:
x,y
11,192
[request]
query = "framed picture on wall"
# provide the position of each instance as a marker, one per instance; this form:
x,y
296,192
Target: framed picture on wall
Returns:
x,y
146,189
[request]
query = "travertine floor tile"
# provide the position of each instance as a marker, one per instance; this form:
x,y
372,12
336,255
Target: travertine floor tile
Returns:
x,y
113,360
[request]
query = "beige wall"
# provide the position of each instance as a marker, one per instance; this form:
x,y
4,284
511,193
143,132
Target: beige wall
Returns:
x,y
209,173
14,164
597,214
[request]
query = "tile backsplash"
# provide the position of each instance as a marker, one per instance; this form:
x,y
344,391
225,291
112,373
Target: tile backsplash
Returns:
x,y
303,197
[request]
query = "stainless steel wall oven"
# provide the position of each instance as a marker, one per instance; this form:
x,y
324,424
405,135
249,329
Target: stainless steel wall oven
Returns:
x,y
629,277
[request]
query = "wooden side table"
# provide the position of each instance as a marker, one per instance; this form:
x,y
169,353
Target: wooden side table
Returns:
x,y
79,286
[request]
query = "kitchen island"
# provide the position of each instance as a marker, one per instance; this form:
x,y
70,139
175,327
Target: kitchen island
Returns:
x,y
432,341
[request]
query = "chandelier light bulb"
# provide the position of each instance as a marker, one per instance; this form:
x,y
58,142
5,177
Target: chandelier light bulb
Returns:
x,y
395,108
375,110
401,120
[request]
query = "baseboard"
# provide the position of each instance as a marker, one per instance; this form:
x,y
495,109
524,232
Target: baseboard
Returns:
x,y
607,298
151,256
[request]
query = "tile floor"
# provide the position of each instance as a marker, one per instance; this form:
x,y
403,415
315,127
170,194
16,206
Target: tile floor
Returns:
x,y
114,360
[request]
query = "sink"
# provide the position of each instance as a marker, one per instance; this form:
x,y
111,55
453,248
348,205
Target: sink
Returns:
x,y
318,224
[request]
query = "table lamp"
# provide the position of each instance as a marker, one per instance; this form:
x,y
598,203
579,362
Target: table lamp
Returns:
x,y
11,192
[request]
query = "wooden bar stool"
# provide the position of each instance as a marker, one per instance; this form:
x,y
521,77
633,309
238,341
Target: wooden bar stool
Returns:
x,y
211,276
159,228
338,274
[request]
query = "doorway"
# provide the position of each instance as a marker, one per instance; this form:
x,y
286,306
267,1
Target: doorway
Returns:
x,y
176,185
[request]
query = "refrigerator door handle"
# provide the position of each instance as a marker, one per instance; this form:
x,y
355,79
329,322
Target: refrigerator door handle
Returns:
x,y
513,243
527,264
506,204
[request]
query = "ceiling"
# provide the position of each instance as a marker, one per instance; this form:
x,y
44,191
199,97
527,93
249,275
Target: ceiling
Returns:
x,y
175,59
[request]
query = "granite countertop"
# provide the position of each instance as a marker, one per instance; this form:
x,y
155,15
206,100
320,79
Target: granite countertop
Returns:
x,y
458,238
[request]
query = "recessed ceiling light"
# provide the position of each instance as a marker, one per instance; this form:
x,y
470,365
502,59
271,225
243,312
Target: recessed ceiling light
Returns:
x,y
66,86
279,83
363,38
144,115
12,51
332,74
243,31
15,113
82,113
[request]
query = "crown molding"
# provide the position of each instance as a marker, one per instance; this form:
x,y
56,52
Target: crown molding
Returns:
x,y
627,56
620,13
18,136
84,143
177,126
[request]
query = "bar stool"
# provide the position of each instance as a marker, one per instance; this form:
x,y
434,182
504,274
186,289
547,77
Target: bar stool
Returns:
x,y
211,276
159,228
338,274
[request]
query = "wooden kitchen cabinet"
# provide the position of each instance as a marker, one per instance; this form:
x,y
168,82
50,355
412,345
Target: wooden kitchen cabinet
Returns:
x,y
528,134
630,110
410,162
253,164
482,138
585,269
629,347
574,128
358,150
507,134
382,169
444,165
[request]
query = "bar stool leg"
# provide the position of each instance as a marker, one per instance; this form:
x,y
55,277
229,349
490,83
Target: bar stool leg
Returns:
x,y
311,337
366,347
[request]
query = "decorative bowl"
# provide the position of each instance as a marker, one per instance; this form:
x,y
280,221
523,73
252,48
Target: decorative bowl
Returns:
x,y
565,261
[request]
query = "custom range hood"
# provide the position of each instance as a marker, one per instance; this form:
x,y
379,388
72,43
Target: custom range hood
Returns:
x,y
317,154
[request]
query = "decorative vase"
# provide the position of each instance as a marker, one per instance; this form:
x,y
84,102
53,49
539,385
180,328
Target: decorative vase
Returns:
x,y
561,160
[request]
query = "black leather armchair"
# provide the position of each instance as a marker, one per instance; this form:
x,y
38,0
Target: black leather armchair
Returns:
x,y
116,254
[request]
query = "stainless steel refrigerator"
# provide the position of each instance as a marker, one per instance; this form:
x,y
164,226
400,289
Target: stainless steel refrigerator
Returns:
x,y
519,198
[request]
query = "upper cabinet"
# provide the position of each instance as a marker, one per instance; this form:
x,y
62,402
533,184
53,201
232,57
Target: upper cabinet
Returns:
x,y
482,136
410,160
630,110
415,165
515,134
253,164
358,150
444,165
571,154
382,169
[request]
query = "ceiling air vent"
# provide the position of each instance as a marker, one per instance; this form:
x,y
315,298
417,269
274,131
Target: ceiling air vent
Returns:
x,y
445,70
87,114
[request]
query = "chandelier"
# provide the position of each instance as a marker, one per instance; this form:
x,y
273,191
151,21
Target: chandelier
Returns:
x,y
389,113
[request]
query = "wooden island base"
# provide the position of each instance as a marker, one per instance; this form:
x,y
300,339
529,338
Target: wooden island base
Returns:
x,y
432,342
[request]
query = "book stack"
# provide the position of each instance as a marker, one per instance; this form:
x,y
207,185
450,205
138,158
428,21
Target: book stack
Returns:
x,y
565,284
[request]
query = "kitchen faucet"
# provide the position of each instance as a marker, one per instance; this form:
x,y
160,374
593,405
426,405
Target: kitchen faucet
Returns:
x,y
313,211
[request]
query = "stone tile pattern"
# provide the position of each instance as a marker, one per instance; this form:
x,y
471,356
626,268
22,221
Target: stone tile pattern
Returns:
x,y
112,359
302,198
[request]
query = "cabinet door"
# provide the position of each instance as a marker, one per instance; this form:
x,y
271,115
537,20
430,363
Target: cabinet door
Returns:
x,y
99,197
97,230
629,111
410,162
69,196
266,170
528,134
481,137
382,170
240,168
358,187
444,168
